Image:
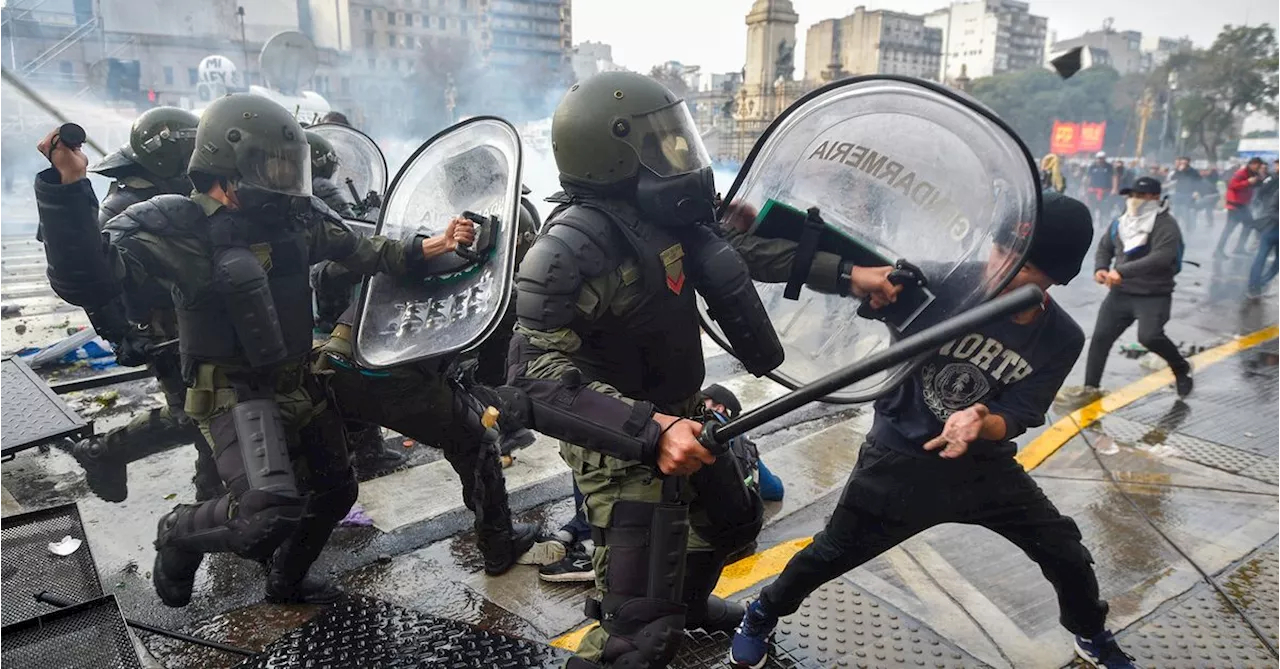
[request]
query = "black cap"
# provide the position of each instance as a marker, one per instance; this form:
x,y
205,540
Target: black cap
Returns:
x,y
1144,185
721,395
1063,237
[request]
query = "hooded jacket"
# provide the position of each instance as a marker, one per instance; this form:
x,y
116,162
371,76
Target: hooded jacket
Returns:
x,y
1148,269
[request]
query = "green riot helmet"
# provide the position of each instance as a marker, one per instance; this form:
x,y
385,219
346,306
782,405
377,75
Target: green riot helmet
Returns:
x,y
254,142
324,160
162,140
617,128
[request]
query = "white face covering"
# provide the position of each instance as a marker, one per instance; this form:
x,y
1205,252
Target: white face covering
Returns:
x,y
1134,205
1136,223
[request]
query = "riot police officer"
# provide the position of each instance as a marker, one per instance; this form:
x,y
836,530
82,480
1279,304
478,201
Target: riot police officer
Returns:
x,y
324,160
425,402
607,356
235,257
154,162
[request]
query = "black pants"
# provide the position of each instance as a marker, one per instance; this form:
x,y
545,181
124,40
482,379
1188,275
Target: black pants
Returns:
x,y
1116,314
892,496
422,405
1237,217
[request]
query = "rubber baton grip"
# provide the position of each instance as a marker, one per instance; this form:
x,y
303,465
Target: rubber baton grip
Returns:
x,y
709,440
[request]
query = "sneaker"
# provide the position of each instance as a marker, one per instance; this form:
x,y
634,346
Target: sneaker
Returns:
x,y
1079,394
1103,652
543,553
750,646
1184,383
574,568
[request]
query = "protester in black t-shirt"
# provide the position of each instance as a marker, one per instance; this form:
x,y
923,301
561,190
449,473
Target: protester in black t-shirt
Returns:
x,y
941,451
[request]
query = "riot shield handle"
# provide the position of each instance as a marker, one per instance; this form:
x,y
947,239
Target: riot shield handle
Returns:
x,y
366,204
486,226
903,274
716,436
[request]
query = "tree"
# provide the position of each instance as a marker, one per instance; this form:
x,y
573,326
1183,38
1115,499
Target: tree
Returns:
x,y
1222,84
1029,101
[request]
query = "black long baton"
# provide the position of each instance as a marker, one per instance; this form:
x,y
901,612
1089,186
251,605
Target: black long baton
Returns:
x,y
716,435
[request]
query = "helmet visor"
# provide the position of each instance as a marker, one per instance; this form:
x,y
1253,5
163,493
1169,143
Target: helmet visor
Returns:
x,y
282,168
668,142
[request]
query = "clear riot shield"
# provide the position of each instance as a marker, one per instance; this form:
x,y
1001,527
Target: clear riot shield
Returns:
x,y
473,168
360,161
884,169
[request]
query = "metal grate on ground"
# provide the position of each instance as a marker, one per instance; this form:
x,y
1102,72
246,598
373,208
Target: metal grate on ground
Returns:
x,y
1197,450
366,632
1232,404
89,635
841,625
28,568
702,650
32,413
1200,631
1253,586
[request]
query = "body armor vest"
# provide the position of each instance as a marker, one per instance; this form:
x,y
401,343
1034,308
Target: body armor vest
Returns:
x,y
207,320
653,352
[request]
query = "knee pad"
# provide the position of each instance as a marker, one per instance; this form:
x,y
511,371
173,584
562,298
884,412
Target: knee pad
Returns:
x,y
261,521
643,632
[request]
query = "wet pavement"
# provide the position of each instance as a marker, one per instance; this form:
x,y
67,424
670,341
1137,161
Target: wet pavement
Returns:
x,y
1166,493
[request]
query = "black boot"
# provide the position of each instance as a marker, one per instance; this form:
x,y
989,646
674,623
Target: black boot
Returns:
x,y
174,571
515,439
289,582
106,475
501,548
705,610
716,615
310,590
372,454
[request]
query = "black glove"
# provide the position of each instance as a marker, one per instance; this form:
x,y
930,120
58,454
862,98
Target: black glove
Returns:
x,y
109,321
134,349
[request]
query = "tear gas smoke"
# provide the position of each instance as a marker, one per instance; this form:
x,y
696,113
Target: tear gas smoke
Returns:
x,y
25,124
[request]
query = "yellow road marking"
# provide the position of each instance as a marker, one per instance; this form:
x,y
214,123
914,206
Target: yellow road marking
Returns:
x,y
1067,427
753,569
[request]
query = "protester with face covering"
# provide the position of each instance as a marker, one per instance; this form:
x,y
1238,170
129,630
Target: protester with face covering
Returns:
x,y
1145,244
1051,175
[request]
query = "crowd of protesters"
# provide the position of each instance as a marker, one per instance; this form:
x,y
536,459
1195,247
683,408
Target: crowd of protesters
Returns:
x,y
1241,196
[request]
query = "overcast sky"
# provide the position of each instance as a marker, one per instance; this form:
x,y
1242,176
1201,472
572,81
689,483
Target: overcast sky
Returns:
x,y
713,33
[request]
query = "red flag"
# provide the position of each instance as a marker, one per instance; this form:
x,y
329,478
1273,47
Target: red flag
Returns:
x,y
1066,138
1092,136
